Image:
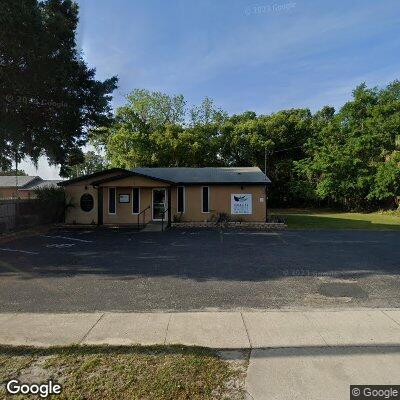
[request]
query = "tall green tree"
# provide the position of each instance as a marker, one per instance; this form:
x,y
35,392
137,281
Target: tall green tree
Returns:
x,y
275,140
93,162
49,97
156,129
353,160
348,158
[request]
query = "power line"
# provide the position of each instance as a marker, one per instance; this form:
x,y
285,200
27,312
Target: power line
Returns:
x,y
268,153
288,148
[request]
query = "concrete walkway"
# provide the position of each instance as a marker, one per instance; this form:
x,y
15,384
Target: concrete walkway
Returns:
x,y
294,354
154,227
228,330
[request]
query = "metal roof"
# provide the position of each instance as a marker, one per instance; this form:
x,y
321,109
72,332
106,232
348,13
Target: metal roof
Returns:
x,y
11,180
206,175
40,184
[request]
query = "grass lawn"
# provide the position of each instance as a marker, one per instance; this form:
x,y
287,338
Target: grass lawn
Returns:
x,y
134,372
325,219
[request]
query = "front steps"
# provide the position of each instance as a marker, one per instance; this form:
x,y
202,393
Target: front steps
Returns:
x,y
154,227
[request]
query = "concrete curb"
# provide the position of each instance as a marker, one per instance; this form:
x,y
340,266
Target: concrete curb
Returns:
x,y
222,330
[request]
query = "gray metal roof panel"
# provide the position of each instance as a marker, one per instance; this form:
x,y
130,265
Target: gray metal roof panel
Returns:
x,y
11,181
207,175
41,184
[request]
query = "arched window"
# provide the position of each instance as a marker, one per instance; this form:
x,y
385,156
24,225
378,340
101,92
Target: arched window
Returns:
x,y
87,202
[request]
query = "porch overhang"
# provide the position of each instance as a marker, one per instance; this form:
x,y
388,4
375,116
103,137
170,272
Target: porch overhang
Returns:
x,y
128,174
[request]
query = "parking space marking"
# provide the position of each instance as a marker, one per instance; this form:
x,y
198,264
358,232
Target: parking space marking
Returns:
x,y
20,251
346,241
252,233
67,238
150,257
60,245
177,244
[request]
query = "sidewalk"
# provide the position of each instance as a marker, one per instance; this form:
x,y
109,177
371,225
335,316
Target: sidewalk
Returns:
x,y
294,354
228,330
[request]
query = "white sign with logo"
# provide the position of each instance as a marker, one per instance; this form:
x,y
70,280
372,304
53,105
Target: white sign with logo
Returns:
x,y
241,203
124,198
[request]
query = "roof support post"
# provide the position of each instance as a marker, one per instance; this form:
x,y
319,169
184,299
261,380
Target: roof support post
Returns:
x,y
169,206
99,205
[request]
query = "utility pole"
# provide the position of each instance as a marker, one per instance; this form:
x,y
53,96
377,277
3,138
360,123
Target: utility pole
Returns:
x,y
266,193
16,190
16,172
265,160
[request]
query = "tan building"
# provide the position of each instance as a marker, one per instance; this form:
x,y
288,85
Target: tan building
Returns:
x,y
22,187
141,195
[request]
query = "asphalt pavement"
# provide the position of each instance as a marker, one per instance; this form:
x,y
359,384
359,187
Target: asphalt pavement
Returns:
x,y
205,270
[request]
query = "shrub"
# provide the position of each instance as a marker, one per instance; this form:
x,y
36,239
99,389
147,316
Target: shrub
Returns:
x,y
52,203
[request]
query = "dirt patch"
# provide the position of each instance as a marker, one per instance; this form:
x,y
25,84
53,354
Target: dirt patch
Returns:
x,y
36,372
238,361
341,289
318,300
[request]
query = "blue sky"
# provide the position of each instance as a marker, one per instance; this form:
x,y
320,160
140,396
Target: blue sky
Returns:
x,y
262,56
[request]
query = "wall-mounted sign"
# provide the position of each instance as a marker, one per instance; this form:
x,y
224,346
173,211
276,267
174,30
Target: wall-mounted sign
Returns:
x,y
241,203
124,198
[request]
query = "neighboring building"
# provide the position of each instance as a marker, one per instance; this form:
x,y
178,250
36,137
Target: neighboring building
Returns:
x,y
22,187
120,196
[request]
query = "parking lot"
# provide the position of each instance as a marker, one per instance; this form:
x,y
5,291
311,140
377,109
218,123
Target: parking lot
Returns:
x,y
106,270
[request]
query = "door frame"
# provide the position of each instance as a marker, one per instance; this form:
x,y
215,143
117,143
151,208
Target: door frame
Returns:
x,y
165,203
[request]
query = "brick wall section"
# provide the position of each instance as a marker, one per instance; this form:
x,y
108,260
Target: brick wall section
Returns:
x,y
228,225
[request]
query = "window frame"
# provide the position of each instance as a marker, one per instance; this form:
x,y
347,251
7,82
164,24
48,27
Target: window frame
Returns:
x,y
138,189
80,202
115,200
183,199
208,200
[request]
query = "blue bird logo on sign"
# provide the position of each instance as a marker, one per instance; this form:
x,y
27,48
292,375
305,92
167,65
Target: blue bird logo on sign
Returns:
x,y
240,198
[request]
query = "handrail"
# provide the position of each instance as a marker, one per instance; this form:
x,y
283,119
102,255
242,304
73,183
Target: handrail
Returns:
x,y
162,220
144,216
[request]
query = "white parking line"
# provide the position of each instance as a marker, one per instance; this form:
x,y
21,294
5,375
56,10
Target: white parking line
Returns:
x,y
60,245
346,241
150,257
252,233
68,238
176,244
20,251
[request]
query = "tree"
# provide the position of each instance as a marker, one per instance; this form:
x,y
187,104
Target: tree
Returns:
x,y
155,109
152,130
247,139
92,163
49,97
386,185
348,158
206,114
19,172
351,159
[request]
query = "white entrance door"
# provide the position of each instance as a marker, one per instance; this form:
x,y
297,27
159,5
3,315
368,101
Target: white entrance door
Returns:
x,y
159,204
